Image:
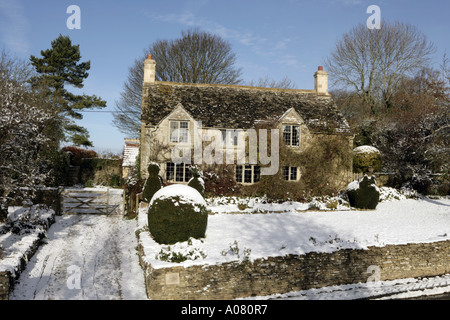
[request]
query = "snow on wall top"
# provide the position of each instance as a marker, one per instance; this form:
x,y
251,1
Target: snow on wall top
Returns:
x,y
366,149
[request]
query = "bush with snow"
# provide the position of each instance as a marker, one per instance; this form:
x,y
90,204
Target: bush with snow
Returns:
x,y
365,157
197,181
363,194
29,218
177,213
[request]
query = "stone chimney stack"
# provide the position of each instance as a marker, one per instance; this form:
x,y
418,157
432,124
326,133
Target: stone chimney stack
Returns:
x,y
149,70
321,81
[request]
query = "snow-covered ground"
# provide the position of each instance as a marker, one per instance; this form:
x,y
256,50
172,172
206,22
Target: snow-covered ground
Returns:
x,y
89,257
94,257
297,232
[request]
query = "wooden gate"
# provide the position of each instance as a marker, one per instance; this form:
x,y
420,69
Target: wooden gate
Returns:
x,y
79,201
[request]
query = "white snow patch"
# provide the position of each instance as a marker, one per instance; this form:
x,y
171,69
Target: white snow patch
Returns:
x,y
366,149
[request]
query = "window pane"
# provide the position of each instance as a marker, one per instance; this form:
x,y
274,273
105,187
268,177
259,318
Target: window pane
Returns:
x,y
224,137
235,139
287,135
248,174
293,173
169,171
239,174
295,135
286,173
184,125
173,131
179,172
184,131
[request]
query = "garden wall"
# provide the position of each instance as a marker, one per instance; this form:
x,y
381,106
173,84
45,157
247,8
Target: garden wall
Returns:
x,y
297,272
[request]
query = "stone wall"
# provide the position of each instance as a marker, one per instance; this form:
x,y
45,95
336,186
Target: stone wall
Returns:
x,y
297,272
4,285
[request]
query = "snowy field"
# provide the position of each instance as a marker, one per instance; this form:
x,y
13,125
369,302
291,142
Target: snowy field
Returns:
x,y
252,236
100,251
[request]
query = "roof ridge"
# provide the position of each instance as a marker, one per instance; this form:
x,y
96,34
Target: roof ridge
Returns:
x,y
236,86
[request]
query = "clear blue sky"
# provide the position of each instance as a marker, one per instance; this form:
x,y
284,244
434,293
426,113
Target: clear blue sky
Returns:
x,y
270,38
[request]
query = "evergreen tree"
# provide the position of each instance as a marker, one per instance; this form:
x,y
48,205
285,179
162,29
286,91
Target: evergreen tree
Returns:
x,y
59,67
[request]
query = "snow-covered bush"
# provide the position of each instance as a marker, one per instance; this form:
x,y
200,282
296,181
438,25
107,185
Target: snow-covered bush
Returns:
x,y
197,181
153,183
365,157
23,136
29,218
177,213
363,194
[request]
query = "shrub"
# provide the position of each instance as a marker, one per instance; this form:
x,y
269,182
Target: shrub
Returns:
x,y
153,182
220,180
77,154
177,213
365,157
363,194
196,181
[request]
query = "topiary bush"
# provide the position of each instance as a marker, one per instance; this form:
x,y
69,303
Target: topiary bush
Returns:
x,y
196,181
365,157
153,182
363,194
177,213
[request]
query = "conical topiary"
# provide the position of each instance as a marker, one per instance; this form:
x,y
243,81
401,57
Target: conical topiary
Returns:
x,y
153,183
196,181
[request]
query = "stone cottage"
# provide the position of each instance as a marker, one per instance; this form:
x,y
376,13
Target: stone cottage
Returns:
x,y
193,115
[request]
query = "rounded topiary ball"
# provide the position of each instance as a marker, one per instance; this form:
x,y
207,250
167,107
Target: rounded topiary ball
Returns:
x,y
153,183
365,157
177,213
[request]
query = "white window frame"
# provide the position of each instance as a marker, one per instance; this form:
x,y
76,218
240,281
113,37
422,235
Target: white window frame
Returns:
x,y
177,133
290,141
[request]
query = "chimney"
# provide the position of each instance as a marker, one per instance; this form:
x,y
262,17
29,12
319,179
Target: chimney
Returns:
x,y
149,70
321,81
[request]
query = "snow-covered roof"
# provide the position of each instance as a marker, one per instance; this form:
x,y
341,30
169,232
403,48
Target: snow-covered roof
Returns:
x,y
130,153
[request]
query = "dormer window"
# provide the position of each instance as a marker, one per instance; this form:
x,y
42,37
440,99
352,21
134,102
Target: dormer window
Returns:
x,y
291,135
229,138
179,131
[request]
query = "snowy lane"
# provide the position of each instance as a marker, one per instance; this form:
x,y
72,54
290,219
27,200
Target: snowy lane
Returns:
x,y
87,257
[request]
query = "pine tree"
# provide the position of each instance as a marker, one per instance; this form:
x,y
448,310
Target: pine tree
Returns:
x,y
59,67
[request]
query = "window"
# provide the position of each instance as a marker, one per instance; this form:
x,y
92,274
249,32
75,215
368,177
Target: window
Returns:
x,y
229,138
179,131
291,135
290,173
248,173
178,172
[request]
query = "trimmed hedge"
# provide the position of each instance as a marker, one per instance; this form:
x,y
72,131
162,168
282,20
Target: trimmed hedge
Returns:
x,y
153,183
177,213
363,194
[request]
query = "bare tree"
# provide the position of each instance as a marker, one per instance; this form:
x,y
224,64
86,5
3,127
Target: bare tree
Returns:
x,y
196,57
268,82
372,62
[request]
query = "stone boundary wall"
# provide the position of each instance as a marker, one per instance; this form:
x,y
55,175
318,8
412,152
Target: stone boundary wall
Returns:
x,y
5,283
297,272
6,277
